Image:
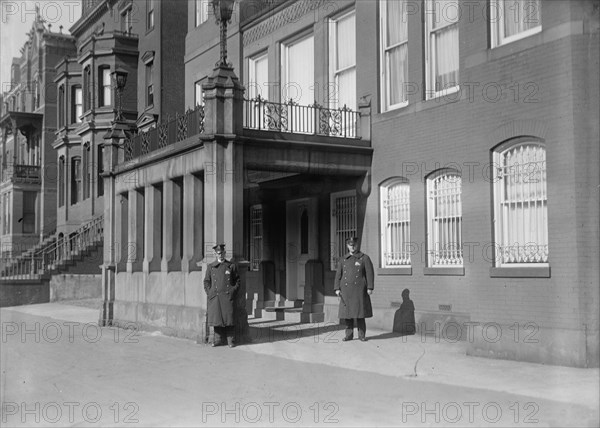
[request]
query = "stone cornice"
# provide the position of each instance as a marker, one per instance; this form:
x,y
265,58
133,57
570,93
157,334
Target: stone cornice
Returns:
x,y
285,16
85,21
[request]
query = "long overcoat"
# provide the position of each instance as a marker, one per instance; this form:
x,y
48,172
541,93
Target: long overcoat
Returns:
x,y
221,284
353,278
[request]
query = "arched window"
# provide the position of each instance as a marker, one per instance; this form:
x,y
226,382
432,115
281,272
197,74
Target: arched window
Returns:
x,y
75,180
395,222
61,181
61,106
444,219
87,171
520,203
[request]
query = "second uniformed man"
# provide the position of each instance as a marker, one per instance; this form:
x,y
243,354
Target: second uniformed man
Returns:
x,y
353,285
221,284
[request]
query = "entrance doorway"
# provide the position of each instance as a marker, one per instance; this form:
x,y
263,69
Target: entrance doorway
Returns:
x,y
301,244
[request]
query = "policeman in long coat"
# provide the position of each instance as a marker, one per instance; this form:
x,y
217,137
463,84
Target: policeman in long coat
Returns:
x,y
221,284
353,285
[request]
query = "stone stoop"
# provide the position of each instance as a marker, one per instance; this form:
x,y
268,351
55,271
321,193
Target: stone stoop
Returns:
x,y
290,311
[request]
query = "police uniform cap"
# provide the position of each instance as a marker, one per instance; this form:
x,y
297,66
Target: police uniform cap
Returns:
x,y
219,248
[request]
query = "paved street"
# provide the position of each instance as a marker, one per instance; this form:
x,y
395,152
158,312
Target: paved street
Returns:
x,y
60,369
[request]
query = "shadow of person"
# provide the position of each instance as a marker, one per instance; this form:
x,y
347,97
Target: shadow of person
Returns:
x,y
404,318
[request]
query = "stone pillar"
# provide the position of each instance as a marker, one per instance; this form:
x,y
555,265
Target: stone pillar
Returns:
x,y
224,184
121,232
135,245
111,158
364,123
193,223
152,229
172,198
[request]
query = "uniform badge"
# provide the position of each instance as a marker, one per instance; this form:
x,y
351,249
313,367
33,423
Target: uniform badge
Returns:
x,y
227,272
356,263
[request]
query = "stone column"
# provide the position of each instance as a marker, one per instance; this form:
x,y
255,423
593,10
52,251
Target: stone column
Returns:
x,y
112,145
121,231
172,197
224,184
135,244
152,229
193,223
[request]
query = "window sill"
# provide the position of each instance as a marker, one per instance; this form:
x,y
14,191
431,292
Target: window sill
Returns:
x,y
445,270
520,272
400,270
443,93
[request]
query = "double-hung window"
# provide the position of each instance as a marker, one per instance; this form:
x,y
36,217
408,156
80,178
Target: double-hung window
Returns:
x,y
199,92
105,87
444,219
520,204
76,104
298,84
342,61
258,86
150,84
149,15
441,47
202,10
394,48
512,20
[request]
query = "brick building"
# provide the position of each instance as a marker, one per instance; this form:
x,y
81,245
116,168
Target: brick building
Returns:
x,y
140,38
479,196
28,121
458,140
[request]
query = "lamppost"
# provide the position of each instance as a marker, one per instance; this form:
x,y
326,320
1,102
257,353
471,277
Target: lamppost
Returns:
x,y
120,78
223,9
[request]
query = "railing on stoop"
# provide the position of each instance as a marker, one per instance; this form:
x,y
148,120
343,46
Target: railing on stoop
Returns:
x,y
63,249
42,261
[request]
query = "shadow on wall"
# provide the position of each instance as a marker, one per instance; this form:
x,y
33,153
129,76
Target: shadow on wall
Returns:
x,y
404,318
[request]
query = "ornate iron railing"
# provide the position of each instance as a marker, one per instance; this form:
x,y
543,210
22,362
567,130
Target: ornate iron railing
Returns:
x,y
165,133
291,117
16,172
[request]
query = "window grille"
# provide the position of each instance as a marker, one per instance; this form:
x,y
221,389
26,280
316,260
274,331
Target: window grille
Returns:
x,y
521,205
256,237
395,224
343,222
444,219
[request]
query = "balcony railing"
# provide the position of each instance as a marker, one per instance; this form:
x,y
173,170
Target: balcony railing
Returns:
x,y
164,134
27,173
291,117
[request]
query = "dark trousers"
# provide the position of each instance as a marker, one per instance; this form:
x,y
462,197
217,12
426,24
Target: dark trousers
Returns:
x,y
360,324
221,332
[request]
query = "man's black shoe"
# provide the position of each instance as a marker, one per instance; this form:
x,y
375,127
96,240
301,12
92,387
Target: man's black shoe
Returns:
x,y
345,339
362,339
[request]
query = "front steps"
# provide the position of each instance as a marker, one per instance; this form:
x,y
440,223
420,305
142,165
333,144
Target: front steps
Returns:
x,y
292,311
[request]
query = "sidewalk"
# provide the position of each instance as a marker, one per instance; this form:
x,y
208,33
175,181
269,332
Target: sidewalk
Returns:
x,y
278,358
428,359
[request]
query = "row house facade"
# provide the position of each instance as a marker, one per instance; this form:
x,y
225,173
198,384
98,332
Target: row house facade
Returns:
x,y
28,121
140,38
457,140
